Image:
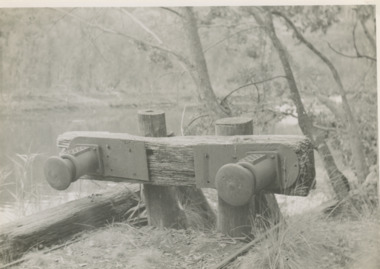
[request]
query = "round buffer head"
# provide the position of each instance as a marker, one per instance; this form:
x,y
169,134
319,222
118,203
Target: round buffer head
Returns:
x,y
235,184
59,172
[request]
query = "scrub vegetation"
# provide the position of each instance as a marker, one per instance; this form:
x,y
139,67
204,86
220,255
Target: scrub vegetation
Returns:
x,y
308,70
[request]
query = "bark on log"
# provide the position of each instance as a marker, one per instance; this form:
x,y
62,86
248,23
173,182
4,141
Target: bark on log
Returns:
x,y
52,225
171,159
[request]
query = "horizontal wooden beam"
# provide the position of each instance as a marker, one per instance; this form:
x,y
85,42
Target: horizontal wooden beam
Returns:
x,y
171,159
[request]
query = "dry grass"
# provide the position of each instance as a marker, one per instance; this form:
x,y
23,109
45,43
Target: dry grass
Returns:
x,y
316,241
309,240
122,246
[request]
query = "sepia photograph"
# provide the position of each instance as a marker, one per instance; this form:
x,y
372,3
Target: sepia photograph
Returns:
x,y
189,135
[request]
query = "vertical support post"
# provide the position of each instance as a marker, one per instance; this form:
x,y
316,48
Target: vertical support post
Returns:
x,y
161,201
236,220
233,220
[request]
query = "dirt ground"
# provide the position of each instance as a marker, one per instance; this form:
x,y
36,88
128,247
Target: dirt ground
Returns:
x,y
123,246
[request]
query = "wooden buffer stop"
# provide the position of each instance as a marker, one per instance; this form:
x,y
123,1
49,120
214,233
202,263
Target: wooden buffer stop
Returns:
x,y
239,167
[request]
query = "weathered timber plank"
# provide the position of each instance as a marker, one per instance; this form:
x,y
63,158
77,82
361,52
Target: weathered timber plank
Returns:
x,y
52,225
171,159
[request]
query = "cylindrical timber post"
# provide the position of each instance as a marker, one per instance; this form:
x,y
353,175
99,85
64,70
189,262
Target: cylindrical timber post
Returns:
x,y
161,201
233,220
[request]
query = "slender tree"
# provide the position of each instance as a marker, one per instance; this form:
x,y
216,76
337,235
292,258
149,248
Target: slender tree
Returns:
x,y
199,69
339,181
348,117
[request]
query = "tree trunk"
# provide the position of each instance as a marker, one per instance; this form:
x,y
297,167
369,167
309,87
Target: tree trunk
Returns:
x,y
304,121
52,225
199,70
356,144
338,181
370,38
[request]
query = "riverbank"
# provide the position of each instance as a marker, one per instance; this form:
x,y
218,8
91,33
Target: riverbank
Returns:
x,y
309,240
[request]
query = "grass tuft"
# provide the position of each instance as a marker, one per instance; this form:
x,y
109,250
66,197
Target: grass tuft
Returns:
x,y
314,241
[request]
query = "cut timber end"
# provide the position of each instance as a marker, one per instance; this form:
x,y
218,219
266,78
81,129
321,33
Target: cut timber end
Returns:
x,y
171,159
234,126
152,123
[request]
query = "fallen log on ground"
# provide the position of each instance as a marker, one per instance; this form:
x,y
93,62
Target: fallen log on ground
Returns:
x,y
50,226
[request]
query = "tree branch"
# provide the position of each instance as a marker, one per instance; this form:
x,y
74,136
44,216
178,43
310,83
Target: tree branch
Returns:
x,y
283,113
195,119
131,39
172,11
249,84
228,37
324,128
347,109
368,35
351,123
357,56
354,38
332,106
142,25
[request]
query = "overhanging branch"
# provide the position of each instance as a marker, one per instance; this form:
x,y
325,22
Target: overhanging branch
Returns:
x,y
172,11
131,39
142,25
357,56
249,84
228,37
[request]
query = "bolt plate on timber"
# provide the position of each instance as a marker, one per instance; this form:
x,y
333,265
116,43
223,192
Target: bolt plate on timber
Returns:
x,y
209,158
120,158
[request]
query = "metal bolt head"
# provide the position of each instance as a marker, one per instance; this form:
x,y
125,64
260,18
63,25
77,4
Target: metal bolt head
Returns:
x,y
234,184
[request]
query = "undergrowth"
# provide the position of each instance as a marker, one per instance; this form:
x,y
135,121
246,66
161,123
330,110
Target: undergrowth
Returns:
x,y
23,187
350,238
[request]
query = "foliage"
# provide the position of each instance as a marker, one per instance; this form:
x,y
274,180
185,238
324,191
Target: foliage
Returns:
x,y
312,18
62,51
24,191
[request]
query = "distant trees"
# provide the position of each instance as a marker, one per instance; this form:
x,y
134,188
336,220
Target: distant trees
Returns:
x,y
319,19
269,56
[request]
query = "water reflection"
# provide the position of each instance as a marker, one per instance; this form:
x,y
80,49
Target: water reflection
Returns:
x,y
26,141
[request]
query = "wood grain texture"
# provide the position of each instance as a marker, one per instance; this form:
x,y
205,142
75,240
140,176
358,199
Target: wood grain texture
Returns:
x,y
234,220
238,221
171,159
161,201
58,223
